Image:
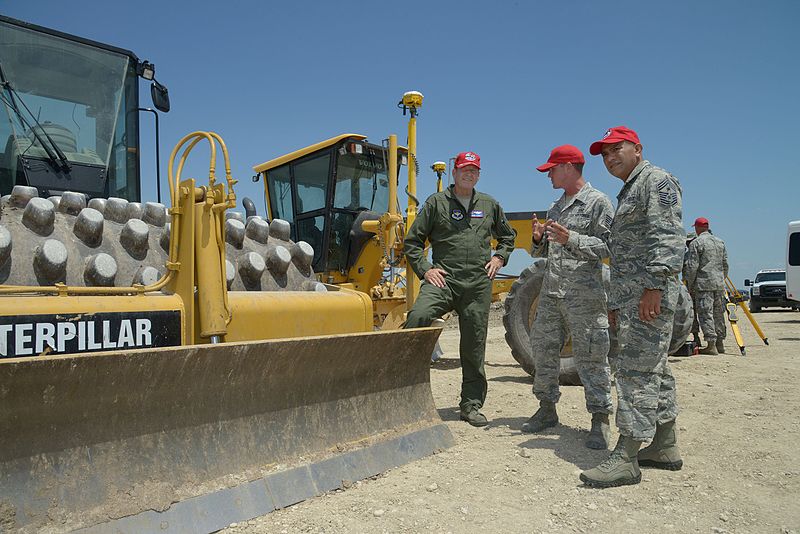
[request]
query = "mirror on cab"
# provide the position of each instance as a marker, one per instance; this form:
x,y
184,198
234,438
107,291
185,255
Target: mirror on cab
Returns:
x,y
160,96
747,282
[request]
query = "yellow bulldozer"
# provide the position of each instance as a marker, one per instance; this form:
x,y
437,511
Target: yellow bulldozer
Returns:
x,y
169,368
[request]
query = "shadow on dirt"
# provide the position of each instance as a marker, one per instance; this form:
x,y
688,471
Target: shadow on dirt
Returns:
x,y
566,442
680,359
446,364
517,379
514,365
451,413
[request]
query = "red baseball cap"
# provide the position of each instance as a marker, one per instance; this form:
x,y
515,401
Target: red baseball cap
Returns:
x,y
701,221
468,158
562,154
614,135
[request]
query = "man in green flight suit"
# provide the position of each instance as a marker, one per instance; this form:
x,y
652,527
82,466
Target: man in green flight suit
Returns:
x,y
460,223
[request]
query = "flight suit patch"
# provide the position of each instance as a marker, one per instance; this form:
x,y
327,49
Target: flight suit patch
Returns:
x,y
476,214
456,214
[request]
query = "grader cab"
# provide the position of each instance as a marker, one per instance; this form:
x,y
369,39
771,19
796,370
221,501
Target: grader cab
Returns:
x,y
326,190
170,368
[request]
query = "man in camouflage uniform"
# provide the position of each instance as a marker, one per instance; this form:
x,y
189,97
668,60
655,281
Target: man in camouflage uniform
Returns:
x,y
706,270
691,236
647,244
574,239
460,223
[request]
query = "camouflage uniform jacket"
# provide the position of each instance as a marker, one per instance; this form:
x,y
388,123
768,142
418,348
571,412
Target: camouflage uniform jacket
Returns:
x,y
460,236
647,235
577,265
706,263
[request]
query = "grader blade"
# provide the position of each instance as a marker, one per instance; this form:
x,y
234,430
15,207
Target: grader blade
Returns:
x,y
191,439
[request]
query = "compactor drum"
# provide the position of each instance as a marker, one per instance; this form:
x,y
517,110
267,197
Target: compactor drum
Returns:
x,y
45,241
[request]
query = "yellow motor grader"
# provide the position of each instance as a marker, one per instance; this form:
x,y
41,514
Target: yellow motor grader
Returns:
x,y
169,368
342,195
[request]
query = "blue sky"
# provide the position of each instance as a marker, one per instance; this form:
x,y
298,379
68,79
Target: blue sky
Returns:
x,y
711,87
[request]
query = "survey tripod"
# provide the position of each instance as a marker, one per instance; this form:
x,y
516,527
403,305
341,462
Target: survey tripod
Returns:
x,y
736,299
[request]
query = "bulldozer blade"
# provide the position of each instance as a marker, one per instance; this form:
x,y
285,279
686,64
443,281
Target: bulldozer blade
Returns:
x,y
191,439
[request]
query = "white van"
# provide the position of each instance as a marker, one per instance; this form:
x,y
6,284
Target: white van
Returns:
x,y
793,261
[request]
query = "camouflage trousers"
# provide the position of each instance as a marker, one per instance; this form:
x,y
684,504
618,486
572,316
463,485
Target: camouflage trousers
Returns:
x,y
587,322
644,380
710,306
695,323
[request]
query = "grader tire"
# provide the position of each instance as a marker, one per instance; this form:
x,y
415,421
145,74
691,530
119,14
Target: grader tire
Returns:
x,y
519,312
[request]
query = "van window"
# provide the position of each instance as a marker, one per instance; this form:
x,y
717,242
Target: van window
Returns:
x,y
794,249
779,276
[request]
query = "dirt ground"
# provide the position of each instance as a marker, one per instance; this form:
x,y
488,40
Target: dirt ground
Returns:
x,y
739,435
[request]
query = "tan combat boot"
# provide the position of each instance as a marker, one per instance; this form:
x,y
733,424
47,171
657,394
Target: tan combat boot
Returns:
x,y
711,348
663,453
600,434
620,468
545,417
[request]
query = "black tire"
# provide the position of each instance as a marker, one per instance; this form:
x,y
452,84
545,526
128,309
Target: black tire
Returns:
x,y
518,314
520,310
754,308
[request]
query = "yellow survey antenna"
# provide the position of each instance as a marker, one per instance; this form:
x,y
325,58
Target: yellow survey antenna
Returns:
x,y
440,168
411,102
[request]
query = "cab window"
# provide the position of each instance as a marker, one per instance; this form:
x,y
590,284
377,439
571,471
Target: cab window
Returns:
x,y
280,193
311,177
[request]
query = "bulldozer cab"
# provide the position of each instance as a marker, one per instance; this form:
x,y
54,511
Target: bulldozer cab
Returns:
x,y
69,113
326,191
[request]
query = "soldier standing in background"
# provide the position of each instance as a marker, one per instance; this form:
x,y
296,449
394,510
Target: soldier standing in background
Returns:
x,y
647,245
574,240
691,236
460,222
706,270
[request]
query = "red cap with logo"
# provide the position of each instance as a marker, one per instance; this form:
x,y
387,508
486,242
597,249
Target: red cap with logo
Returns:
x,y
614,135
701,221
562,154
468,158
